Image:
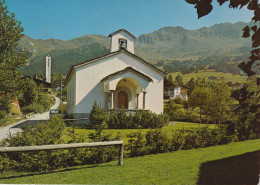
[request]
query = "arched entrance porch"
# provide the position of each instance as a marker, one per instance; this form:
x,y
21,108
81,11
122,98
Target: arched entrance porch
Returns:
x,y
124,89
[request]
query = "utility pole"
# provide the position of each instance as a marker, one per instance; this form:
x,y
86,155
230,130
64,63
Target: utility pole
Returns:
x,y
60,94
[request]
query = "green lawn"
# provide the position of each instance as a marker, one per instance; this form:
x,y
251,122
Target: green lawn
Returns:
x,y
123,132
235,163
228,77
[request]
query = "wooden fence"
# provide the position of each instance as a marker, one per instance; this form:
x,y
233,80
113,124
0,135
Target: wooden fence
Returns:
x,y
66,146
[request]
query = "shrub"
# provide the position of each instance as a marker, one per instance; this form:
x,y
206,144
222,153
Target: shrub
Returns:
x,y
97,115
40,134
2,114
51,133
43,104
190,140
136,144
178,100
63,108
140,119
120,119
177,141
156,142
5,104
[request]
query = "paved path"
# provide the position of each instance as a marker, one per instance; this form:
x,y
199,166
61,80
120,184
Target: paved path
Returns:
x,y
4,131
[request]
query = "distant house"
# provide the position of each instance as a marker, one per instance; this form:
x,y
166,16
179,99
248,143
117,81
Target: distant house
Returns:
x,y
41,82
118,80
180,92
171,91
168,89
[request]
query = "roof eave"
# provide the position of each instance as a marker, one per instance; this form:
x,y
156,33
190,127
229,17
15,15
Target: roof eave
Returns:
x,y
125,71
123,30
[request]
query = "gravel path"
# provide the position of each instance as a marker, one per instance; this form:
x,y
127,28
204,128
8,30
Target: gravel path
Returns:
x,y
4,131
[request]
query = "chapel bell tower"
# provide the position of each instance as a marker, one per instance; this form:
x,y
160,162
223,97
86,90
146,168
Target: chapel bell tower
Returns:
x,y
48,69
122,39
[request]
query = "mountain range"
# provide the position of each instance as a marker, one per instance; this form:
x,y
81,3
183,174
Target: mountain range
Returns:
x,y
165,44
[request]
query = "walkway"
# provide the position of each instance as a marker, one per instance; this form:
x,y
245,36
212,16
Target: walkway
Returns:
x,y
4,131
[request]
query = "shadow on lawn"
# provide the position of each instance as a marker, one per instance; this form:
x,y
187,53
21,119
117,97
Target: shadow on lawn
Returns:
x,y
242,169
56,171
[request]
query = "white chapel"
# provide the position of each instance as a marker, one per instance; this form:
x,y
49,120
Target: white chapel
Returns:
x,y
118,80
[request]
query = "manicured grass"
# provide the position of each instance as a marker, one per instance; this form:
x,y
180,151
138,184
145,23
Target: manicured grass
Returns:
x,y
235,163
228,77
123,132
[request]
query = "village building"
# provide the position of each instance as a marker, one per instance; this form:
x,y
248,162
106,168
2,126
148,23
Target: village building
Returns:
x,y
118,80
171,91
168,89
179,92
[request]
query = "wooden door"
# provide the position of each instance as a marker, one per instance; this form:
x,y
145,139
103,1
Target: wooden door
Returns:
x,y
122,100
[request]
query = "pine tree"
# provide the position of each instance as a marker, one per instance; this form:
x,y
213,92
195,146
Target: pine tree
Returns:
x,y
179,80
170,78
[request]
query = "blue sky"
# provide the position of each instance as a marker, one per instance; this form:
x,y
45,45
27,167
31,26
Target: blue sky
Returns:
x,y
68,19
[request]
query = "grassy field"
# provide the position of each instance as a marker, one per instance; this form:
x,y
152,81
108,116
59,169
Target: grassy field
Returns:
x,y
123,132
235,163
228,77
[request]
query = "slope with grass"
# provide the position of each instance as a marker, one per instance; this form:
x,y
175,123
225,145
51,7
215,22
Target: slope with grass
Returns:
x,y
227,77
124,132
235,163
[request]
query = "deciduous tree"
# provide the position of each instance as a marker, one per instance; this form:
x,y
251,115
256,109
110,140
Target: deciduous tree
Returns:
x,y
11,59
220,101
200,97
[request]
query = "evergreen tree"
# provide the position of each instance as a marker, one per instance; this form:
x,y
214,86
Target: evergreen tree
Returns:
x,y
98,119
178,80
191,85
11,59
170,78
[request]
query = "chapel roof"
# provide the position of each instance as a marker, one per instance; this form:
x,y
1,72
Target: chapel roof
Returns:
x,y
129,68
121,50
111,34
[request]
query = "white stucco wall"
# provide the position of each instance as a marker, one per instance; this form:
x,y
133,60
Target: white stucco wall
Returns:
x,y
71,94
122,35
89,88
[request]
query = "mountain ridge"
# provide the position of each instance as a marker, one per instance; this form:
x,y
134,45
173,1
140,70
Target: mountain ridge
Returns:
x,y
167,43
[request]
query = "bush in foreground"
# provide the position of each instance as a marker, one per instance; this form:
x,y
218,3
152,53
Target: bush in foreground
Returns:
x,y
51,132
122,119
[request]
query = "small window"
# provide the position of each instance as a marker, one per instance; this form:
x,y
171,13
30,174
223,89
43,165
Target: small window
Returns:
x,y
122,43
